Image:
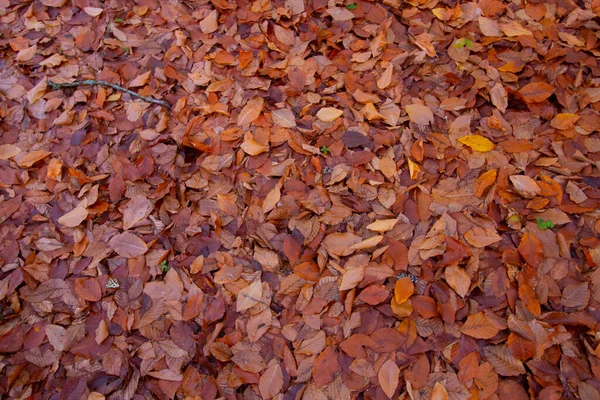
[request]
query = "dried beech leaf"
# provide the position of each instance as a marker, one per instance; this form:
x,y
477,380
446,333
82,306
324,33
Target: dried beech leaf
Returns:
x,y
128,245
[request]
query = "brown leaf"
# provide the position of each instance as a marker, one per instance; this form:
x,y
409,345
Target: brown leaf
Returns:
x,y
536,92
575,295
458,279
284,117
525,186
388,377
531,249
339,244
503,361
32,157
481,237
249,296
140,80
128,245
419,114
88,289
138,208
8,151
564,121
479,327
325,367
499,96
251,111
271,381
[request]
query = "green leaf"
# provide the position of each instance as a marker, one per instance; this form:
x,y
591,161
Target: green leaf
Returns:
x,y
324,149
544,224
460,43
164,266
352,6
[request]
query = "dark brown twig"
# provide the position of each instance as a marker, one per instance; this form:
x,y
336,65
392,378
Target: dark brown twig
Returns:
x,y
94,82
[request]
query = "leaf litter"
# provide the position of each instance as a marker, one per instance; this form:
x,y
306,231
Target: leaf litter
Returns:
x,y
299,199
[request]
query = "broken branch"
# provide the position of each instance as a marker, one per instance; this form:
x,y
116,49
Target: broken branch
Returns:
x,y
94,82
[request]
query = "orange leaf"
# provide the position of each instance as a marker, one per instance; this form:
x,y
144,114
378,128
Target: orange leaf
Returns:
x,y
439,392
482,183
403,290
564,121
525,186
531,249
458,279
88,289
479,327
251,111
8,151
388,376
32,157
536,92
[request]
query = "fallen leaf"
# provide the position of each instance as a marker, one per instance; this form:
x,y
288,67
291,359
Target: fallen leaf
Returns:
x,y
531,249
271,381
525,186
249,296
388,377
128,245
477,143
484,181
329,114
251,111
382,225
439,392
284,117
32,157
137,209
479,327
74,217
419,114
536,92
8,151
93,11
403,289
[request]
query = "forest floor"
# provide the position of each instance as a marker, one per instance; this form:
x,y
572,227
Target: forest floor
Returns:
x,y
288,199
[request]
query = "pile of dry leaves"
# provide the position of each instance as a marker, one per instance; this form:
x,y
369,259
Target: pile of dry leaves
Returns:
x,y
344,200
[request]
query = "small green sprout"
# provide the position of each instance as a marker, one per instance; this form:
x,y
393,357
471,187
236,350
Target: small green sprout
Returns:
x,y
544,224
324,150
352,6
127,49
460,43
119,20
164,266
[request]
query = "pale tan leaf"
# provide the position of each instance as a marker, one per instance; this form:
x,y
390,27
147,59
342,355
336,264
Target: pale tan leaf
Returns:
x,y
439,392
419,114
249,296
499,97
138,208
388,377
525,186
8,151
53,60
128,245
338,243
93,11
367,243
272,198
32,157
101,332
382,225
482,237
386,77
210,23
37,92
284,117
271,381
74,217
329,114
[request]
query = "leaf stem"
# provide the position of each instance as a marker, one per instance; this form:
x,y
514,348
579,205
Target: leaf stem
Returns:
x,y
94,82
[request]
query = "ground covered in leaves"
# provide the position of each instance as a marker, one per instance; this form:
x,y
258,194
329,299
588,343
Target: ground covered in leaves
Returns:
x,y
344,200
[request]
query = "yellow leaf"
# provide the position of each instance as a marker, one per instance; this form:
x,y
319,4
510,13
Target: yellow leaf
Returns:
x,y
477,143
383,225
413,169
367,243
329,114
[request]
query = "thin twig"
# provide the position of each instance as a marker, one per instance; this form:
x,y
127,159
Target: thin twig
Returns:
x,y
94,82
